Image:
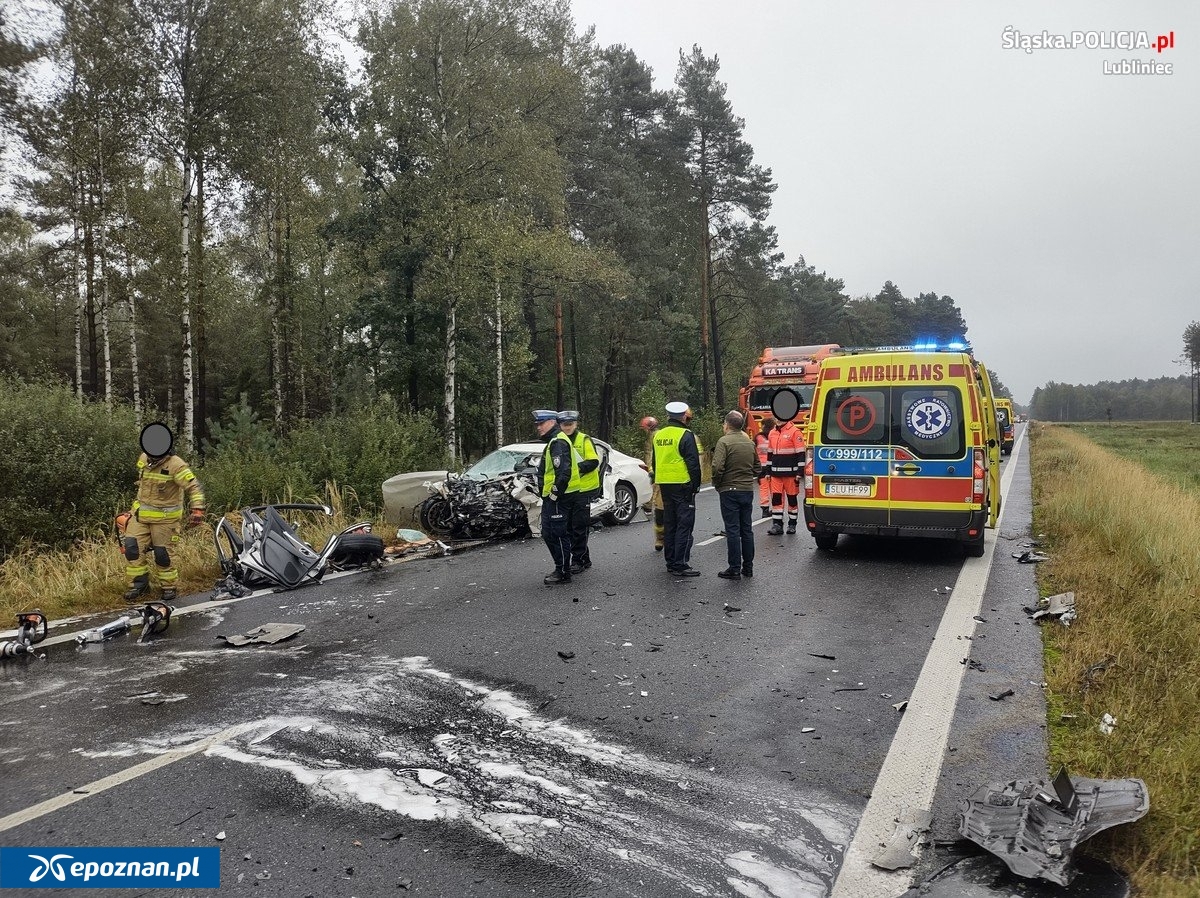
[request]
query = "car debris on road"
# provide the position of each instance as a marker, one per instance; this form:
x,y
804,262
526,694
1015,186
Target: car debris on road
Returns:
x,y
1034,826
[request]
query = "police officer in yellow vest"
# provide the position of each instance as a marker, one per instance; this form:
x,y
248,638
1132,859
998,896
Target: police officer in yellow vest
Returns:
x,y
581,491
164,482
677,473
556,469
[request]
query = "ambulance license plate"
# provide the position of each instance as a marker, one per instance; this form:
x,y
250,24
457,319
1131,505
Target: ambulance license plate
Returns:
x,y
847,489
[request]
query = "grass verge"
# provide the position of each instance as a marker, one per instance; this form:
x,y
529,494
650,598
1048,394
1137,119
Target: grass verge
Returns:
x,y
1125,541
90,576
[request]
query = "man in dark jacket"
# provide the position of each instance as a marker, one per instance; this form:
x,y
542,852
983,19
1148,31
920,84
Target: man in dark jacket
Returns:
x,y
555,470
735,467
677,472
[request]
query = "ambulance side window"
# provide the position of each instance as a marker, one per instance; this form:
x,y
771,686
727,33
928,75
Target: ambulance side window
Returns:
x,y
855,416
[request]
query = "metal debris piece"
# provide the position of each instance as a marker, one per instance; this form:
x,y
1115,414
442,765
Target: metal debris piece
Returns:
x,y
900,706
808,730
1055,606
898,850
267,634
108,631
1034,826
1089,676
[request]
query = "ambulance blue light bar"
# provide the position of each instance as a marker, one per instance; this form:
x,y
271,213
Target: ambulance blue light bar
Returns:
x,y
923,346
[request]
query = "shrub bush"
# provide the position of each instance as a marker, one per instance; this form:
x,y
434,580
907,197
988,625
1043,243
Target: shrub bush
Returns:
x,y
67,467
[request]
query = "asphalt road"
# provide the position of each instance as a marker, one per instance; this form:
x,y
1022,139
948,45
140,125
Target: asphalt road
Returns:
x,y
425,733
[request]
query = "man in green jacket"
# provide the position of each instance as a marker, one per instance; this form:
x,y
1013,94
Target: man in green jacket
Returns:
x,y
735,469
581,490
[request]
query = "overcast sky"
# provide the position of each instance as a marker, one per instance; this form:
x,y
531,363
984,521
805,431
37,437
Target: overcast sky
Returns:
x,y
1058,205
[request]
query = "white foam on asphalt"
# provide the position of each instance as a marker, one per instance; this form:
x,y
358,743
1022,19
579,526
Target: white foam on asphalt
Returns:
x,y
430,745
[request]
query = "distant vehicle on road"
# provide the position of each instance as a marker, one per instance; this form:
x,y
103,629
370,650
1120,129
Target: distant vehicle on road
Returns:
x,y
625,485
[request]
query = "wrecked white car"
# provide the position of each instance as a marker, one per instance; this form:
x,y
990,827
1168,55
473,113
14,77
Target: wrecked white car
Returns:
x,y
427,498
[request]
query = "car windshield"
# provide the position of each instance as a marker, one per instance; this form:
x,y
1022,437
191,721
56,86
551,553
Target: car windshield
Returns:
x,y
502,461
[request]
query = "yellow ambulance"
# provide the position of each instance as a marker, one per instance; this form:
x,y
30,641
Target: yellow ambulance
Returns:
x,y
903,441
1006,416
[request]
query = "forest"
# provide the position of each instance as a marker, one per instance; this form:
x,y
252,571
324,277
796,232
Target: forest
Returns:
x,y
257,222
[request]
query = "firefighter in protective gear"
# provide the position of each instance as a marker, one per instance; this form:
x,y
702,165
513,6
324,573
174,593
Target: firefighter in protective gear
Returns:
x,y
785,455
166,489
655,507
581,490
762,446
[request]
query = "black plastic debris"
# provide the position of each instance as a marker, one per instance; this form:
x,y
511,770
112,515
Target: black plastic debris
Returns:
x,y
267,634
1001,695
1031,557
1034,826
566,656
826,657
984,876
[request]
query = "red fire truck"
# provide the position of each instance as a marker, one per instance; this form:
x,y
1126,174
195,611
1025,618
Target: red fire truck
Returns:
x,y
783,366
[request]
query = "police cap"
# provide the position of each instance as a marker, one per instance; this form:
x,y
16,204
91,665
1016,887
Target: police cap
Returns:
x,y
566,417
677,409
544,414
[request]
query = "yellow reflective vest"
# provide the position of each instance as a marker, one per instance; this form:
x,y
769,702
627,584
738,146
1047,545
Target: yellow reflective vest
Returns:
x,y
162,488
584,449
669,466
548,472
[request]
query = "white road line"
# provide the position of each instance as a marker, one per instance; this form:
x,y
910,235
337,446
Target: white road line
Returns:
x,y
51,805
910,771
719,537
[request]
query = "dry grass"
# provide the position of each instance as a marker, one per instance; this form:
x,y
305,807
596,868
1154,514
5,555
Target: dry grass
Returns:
x,y
90,576
1125,541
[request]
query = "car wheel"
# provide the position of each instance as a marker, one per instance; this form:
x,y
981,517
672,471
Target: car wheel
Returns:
x,y
826,541
625,500
437,516
357,549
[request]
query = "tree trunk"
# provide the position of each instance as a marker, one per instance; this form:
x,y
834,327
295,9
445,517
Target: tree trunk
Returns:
x,y
101,226
185,318
575,359
451,374
132,306
201,313
274,240
286,299
718,374
79,302
607,422
410,338
499,368
560,367
89,267
704,296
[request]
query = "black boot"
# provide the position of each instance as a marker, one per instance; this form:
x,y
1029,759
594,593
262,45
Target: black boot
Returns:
x,y
766,512
791,527
138,588
557,577
170,594
776,529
